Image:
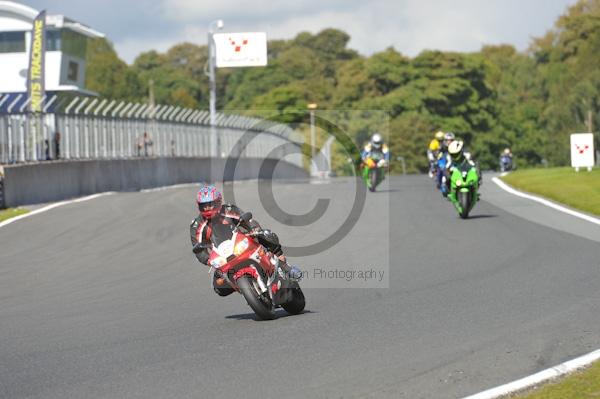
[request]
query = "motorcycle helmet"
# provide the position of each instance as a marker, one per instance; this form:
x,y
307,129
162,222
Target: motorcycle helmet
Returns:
x,y
439,136
506,151
455,148
448,138
376,141
209,201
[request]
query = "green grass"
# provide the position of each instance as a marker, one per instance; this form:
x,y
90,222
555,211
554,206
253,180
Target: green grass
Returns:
x,y
578,190
11,213
581,385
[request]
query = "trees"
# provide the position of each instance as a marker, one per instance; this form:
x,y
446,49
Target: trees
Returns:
x,y
567,59
108,75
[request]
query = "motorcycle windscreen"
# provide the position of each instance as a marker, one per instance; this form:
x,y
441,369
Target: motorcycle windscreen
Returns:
x,y
465,167
221,232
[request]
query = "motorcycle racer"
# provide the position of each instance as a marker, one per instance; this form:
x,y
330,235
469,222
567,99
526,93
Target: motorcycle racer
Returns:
x,y
433,151
458,158
506,160
213,211
376,145
443,162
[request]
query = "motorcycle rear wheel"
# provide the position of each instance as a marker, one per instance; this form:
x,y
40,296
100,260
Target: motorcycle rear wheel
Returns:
x,y
261,306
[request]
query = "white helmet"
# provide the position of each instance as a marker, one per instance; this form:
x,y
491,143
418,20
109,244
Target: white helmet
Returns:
x,y
376,141
455,147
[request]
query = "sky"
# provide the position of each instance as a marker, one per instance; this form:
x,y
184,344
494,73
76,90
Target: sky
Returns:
x,y
410,26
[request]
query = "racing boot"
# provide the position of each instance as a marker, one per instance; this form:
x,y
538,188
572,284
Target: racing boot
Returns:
x,y
291,272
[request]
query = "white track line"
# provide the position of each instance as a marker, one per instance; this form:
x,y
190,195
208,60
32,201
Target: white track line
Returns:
x,y
163,188
544,201
52,206
90,197
542,376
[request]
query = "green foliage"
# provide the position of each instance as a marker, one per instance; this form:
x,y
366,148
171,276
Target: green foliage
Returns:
x,y
108,75
566,61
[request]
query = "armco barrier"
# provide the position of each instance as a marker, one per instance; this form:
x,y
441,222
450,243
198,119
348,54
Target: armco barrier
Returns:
x,y
53,181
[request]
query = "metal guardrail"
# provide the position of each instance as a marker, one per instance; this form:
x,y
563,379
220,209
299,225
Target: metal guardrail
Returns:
x,y
93,128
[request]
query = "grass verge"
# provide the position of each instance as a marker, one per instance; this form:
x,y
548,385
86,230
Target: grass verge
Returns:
x,y
580,385
11,213
578,190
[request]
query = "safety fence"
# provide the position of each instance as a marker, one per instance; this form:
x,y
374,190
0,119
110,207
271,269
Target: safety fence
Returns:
x,y
93,128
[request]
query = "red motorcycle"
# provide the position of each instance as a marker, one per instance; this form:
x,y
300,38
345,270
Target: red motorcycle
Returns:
x,y
240,260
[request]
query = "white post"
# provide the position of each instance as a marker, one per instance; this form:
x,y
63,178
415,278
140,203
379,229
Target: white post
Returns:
x,y
218,24
105,128
12,127
122,128
96,122
129,129
87,122
113,132
158,139
313,141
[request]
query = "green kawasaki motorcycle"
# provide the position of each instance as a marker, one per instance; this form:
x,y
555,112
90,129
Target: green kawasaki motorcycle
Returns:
x,y
372,172
464,183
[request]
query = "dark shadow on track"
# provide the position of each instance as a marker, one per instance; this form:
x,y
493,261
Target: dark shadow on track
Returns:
x,y
391,190
482,216
279,312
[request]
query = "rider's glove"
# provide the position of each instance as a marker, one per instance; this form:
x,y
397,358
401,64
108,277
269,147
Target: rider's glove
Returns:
x,y
381,163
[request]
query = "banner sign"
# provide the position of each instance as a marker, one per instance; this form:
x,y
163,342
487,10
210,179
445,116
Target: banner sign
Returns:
x,y
35,73
582,150
241,49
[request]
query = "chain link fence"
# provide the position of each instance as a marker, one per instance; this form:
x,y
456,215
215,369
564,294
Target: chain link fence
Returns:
x,y
93,128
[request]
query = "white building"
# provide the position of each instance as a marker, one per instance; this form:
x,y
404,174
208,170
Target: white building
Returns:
x,y
66,43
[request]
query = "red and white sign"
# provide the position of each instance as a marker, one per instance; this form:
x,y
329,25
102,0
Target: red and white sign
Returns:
x,y
241,49
582,150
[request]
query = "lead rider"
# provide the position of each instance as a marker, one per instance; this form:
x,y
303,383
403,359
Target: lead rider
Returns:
x,y
213,211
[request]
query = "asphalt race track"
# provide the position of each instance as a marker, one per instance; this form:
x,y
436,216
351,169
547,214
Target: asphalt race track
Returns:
x,y
103,299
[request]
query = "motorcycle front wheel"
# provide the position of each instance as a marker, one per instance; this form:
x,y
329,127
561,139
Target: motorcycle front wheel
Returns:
x,y
464,201
296,305
262,306
373,179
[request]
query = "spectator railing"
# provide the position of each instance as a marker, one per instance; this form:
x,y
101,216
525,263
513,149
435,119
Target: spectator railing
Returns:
x,y
93,128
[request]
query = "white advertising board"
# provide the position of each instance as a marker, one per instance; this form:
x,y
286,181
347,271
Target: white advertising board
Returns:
x,y
582,150
241,49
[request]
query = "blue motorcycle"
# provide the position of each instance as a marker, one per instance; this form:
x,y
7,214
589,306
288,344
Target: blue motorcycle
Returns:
x,y
440,183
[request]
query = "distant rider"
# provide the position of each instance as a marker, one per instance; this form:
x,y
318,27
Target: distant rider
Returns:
x,y
376,147
506,159
443,162
433,150
213,211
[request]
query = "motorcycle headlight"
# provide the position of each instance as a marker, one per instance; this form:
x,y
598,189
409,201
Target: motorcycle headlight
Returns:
x,y
459,183
218,262
240,247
